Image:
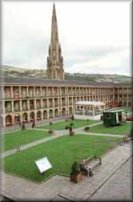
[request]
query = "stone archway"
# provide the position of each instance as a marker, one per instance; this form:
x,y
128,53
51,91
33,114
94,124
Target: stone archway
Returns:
x,y
32,116
50,113
70,110
8,120
56,113
17,119
39,115
63,111
45,115
25,117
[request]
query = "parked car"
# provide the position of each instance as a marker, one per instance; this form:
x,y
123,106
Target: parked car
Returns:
x,y
129,117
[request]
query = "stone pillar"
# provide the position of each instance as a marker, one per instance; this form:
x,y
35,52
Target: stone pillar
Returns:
x,y
60,101
41,102
3,122
3,108
20,117
13,119
28,104
27,92
53,103
47,101
12,92
40,91
12,102
28,116
35,104
47,114
19,91
46,91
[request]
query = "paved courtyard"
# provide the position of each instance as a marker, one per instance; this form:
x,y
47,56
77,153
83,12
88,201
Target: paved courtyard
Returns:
x,y
119,186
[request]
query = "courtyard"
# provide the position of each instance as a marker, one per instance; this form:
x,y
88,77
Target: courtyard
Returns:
x,y
29,135
61,152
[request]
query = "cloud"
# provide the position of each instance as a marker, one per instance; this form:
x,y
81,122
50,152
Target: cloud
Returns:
x,y
111,62
94,36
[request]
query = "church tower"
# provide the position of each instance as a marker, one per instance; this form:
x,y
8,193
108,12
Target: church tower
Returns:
x,y
54,60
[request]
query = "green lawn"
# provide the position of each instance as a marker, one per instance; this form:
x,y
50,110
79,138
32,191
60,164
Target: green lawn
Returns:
x,y
76,124
123,129
18,138
61,152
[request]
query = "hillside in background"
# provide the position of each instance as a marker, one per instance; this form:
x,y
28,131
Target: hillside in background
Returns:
x,y
40,73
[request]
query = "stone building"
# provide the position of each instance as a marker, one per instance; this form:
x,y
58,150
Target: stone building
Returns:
x,y
55,60
40,99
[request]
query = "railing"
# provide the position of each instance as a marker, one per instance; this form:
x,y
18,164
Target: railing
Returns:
x,y
32,107
16,110
38,107
24,108
7,98
8,111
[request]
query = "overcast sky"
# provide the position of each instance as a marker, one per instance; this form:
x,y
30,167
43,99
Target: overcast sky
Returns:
x,y
94,35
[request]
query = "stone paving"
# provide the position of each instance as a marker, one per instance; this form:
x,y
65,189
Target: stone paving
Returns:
x,y
119,186
60,188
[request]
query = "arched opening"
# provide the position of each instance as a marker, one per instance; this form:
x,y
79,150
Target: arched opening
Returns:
x,y
8,120
50,113
17,119
70,110
44,114
56,112
39,116
25,117
32,116
63,112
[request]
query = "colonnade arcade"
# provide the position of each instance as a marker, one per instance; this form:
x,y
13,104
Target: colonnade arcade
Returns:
x,y
27,117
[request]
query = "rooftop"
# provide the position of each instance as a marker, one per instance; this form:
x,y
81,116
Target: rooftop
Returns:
x,y
39,81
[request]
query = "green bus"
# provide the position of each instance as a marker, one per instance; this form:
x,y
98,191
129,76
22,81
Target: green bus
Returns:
x,y
113,118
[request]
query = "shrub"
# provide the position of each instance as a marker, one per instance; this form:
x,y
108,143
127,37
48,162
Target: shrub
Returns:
x,y
95,156
51,131
71,124
75,169
87,128
50,123
66,127
66,120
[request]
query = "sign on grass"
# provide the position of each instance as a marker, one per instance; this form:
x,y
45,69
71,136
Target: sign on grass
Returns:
x,y
43,164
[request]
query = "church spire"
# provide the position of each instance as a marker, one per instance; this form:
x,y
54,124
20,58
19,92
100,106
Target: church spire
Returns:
x,y
54,28
54,59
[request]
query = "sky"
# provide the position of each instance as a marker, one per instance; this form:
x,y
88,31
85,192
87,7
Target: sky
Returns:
x,y
94,35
